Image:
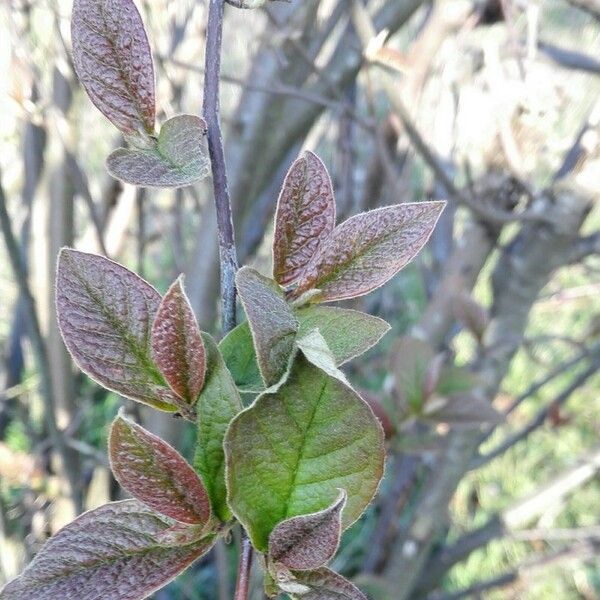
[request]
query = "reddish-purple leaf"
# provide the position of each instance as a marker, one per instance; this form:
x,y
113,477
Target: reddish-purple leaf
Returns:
x,y
308,542
271,320
177,346
305,217
321,584
176,159
111,552
156,474
368,249
105,314
113,61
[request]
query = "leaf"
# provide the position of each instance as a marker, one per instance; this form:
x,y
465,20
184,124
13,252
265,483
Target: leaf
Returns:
x,y
470,410
113,61
368,249
156,474
239,355
325,584
175,160
348,333
304,218
315,349
218,404
471,314
309,541
411,360
109,552
105,314
271,321
290,452
177,346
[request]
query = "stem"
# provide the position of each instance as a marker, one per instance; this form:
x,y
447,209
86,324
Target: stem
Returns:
x,y
226,235
243,580
227,252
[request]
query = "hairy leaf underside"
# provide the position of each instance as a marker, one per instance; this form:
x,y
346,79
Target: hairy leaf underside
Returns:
x,y
105,314
111,552
176,159
113,61
324,584
291,451
156,474
305,216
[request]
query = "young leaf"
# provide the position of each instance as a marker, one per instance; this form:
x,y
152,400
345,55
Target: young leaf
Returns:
x,y
348,333
310,541
105,313
271,321
156,474
325,584
109,552
315,349
177,346
113,61
218,404
304,218
176,159
239,355
368,249
291,451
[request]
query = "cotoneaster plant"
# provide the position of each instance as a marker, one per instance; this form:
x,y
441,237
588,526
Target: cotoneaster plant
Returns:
x,y
285,446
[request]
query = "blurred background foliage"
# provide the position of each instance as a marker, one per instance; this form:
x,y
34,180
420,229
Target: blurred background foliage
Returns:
x,y
491,105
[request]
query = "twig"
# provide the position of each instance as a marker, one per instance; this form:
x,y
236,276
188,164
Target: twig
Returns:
x,y
540,417
226,235
243,580
40,352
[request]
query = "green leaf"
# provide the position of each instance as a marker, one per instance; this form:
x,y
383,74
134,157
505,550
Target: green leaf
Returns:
x,y
315,349
218,404
305,216
112,58
175,160
114,551
290,452
367,250
105,314
271,321
309,541
177,346
348,333
237,348
156,474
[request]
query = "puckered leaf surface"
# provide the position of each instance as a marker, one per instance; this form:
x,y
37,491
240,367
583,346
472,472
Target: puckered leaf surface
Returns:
x,y
309,541
325,584
291,451
156,474
109,552
348,333
304,218
176,160
177,345
219,402
368,249
105,314
272,322
113,61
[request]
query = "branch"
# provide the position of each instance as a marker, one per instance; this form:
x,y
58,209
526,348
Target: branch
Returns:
x,y
227,252
243,581
39,351
540,417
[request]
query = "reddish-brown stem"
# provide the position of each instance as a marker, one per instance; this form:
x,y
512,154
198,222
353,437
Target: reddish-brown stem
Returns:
x,y
243,576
